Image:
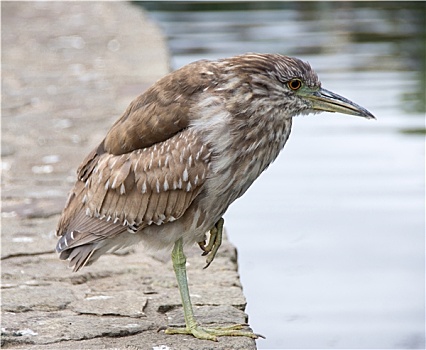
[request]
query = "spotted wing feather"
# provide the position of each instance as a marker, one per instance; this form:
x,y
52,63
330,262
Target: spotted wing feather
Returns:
x,y
147,171
125,193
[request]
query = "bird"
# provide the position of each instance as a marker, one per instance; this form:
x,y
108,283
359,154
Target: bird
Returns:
x,y
180,154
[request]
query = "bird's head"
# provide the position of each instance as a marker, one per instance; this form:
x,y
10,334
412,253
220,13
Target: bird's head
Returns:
x,y
293,85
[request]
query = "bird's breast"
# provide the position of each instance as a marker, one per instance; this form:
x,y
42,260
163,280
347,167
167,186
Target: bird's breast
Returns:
x,y
248,153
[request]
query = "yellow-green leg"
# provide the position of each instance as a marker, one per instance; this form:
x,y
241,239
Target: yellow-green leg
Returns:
x,y
179,261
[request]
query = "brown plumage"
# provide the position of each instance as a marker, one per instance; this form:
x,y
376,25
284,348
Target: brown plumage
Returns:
x,y
182,152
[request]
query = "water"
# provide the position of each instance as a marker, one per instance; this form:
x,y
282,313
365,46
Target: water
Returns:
x,y
331,237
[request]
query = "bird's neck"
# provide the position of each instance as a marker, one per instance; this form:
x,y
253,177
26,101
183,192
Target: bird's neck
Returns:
x,y
257,145
243,144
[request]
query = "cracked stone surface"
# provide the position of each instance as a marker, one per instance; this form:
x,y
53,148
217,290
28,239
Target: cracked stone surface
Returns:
x,y
69,69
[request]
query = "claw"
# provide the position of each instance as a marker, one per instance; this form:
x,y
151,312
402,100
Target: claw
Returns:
x,y
202,246
215,240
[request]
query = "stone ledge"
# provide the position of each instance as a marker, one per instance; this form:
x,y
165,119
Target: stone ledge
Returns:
x,y
69,70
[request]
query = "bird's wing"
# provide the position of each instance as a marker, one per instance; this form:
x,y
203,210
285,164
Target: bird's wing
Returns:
x,y
154,184
162,111
147,170
127,192
149,119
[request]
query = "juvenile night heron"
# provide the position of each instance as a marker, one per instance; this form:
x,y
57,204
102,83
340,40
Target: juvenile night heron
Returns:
x,y
181,153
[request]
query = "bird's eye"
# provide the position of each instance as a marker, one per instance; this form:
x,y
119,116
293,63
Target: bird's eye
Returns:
x,y
294,84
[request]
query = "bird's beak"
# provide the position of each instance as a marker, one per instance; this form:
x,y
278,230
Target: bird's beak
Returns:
x,y
327,101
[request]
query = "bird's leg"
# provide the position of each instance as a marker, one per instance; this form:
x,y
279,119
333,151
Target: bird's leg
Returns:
x,y
215,241
179,265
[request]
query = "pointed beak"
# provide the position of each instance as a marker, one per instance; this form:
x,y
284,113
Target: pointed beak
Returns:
x,y
327,101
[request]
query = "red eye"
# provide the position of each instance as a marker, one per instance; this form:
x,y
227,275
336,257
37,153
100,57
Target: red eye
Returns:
x,y
294,84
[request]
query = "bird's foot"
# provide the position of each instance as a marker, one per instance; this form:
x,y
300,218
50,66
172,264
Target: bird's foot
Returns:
x,y
215,240
206,333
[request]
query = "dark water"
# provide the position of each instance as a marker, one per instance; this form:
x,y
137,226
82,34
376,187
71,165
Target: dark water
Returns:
x,y
331,237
